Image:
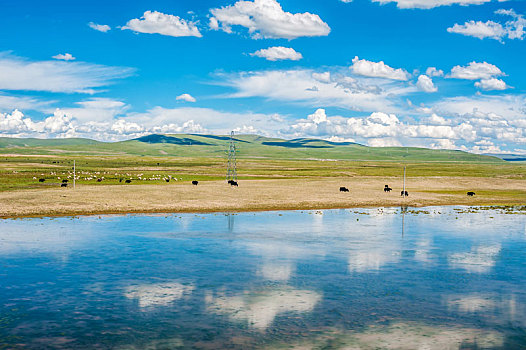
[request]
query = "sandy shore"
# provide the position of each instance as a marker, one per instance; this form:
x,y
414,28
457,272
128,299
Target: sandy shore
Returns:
x,y
254,195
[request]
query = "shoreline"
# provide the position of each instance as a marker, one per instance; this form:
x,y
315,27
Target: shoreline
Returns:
x,y
257,196
204,212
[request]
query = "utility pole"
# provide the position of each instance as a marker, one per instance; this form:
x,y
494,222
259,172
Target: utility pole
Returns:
x,y
74,171
231,173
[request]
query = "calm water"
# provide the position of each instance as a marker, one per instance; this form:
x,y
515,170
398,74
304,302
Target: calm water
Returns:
x,y
437,278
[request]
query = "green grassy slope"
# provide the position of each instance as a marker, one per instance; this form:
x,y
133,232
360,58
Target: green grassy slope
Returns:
x,y
248,146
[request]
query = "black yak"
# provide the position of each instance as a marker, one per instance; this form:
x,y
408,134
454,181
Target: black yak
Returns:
x,y
404,194
344,189
41,180
127,181
471,194
387,188
195,183
64,184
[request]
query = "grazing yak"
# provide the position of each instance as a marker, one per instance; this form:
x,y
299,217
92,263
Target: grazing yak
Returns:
x,y
99,180
167,180
127,181
41,180
387,188
233,183
65,181
195,183
344,189
471,194
404,194
64,184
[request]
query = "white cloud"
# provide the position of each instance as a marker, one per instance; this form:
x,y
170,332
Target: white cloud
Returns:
x,y
56,76
96,109
316,89
428,4
278,53
216,121
433,72
475,131
267,19
475,71
64,57
186,97
509,107
324,77
515,27
377,69
123,127
9,103
13,123
99,27
491,84
153,22
479,29
425,83
512,29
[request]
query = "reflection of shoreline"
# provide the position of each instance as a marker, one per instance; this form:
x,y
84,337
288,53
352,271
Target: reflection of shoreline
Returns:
x,y
401,335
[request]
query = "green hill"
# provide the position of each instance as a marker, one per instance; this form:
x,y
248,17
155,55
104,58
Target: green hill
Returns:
x,y
248,146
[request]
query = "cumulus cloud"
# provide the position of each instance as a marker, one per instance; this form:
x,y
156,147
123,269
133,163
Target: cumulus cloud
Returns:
x,y
153,22
278,53
56,76
267,19
491,84
425,83
475,71
185,97
474,131
64,57
99,27
512,29
433,72
377,70
428,4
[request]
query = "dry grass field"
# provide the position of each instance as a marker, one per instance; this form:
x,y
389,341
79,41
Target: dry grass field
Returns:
x,y
254,195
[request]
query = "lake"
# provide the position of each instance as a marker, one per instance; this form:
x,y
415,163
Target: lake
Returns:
x,y
395,278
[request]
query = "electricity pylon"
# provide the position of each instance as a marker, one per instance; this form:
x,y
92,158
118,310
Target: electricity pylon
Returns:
x,y
231,173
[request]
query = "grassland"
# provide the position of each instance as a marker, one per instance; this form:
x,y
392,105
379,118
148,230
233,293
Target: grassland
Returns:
x,y
273,174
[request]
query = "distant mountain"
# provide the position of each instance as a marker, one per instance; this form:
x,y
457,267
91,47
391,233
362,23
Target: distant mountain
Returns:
x,y
248,146
509,157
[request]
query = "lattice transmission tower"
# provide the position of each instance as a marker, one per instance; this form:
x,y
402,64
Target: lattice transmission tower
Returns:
x,y
231,173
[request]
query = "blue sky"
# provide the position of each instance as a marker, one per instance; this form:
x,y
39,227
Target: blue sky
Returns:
x,y
432,73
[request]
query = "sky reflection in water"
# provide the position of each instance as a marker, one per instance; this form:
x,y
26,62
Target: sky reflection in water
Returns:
x,y
368,278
